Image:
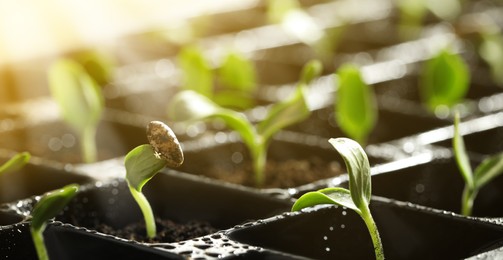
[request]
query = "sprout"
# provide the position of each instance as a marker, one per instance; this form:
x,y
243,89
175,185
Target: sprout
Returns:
x,y
143,162
355,106
48,207
80,100
357,197
444,80
191,106
236,78
489,169
15,163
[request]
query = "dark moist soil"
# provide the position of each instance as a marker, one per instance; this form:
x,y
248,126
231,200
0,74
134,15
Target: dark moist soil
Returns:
x,y
167,231
278,174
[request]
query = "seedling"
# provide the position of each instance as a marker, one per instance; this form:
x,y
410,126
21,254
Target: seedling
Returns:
x,y
236,78
357,197
48,207
355,106
143,162
196,71
486,171
15,163
491,50
191,106
444,81
80,100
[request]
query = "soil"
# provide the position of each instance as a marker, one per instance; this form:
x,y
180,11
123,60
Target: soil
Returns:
x,y
278,174
168,231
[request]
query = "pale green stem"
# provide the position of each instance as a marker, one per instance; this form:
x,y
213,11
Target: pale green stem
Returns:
x,y
38,241
259,159
148,214
468,198
374,233
88,144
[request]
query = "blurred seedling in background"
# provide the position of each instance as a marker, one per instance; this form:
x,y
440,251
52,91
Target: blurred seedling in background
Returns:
x,y
80,100
145,161
355,106
298,23
232,85
444,82
359,194
191,106
47,208
98,64
15,163
485,172
413,13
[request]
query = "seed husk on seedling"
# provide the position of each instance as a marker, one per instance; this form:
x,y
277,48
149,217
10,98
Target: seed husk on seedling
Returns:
x,y
47,208
190,106
15,163
357,197
486,171
145,161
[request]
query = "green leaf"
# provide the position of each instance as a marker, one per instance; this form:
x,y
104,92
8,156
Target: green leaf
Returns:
x,y
196,71
15,163
337,196
77,94
292,110
444,80
51,204
355,104
310,71
238,73
98,65
491,50
460,154
141,165
489,169
191,106
358,168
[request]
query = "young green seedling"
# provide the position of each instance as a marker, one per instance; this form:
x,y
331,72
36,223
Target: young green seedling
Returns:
x,y
196,71
143,162
444,81
191,106
489,169
355,104
48,207
80,100
357,197
15,163
237,82
236,78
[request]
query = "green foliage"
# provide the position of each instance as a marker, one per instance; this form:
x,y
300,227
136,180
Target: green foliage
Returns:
x,y
491,50
355,104
237,82
444,80
197,74
98,65
141,165
236,77
48,207
15,163
80,100
145,161
489,169
190,106
357,197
